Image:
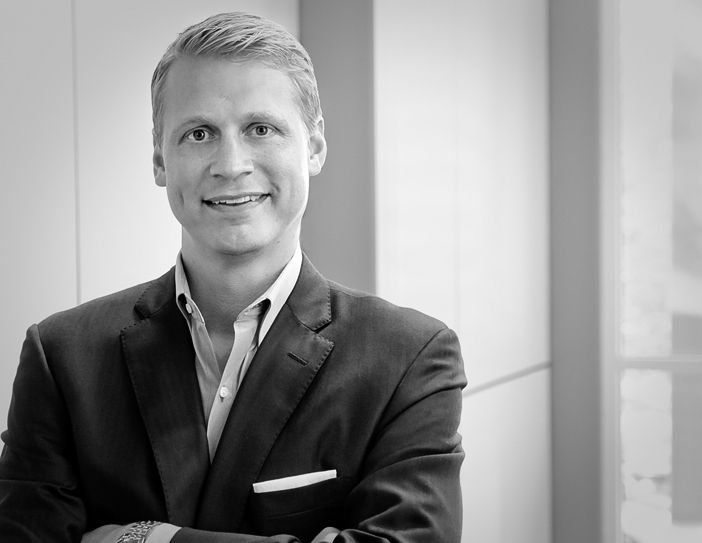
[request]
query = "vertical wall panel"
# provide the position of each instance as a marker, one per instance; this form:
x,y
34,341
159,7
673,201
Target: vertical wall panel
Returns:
x,y
461,181
127,232
462,228
506,477
417,67
575,269
37,227
338,230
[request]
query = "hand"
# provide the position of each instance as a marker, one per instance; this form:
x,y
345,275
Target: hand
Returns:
x,y
104,534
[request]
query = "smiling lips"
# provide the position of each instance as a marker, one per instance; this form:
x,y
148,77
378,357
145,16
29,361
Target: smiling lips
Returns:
x,y
235,200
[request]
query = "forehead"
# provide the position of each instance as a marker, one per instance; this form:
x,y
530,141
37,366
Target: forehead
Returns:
x,y
194,84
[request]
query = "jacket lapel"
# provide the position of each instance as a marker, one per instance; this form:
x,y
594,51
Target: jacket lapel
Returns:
x,y
160,359
284,366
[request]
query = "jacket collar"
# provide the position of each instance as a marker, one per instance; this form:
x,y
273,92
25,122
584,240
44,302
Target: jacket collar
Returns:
x,y
309,301
157,295
159,356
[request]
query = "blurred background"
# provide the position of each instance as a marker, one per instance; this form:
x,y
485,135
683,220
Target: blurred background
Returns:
x,y
529,171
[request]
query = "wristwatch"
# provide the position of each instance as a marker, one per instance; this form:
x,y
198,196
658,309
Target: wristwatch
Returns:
x,y
137,532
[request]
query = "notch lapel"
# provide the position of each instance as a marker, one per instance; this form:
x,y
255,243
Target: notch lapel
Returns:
x,y
160,358
282,370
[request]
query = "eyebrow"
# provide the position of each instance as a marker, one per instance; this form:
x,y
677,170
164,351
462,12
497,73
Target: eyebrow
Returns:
x,y
266,117
191,121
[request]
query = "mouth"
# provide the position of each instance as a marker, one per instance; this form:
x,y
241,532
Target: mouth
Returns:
x,y
235,201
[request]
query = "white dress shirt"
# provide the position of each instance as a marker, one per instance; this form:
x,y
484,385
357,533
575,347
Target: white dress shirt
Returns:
x,y
218,386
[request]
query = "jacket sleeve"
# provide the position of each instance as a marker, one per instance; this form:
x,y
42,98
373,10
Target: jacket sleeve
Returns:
x,y
411,488
39,496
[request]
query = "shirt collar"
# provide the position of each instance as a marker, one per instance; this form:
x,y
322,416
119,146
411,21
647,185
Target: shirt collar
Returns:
x,y
276,295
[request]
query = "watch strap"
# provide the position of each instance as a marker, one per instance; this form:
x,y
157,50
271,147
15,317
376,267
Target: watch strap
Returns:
x,y
137,532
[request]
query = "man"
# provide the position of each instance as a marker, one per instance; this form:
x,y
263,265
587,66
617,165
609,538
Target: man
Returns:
x,y
241,396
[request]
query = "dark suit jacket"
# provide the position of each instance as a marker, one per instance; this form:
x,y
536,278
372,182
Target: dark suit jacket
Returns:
x,y
106,423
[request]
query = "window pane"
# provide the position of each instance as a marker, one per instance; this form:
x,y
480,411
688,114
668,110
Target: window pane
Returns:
x,y
661,178
661,462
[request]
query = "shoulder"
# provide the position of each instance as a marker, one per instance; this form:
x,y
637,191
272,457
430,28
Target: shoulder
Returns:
x,y
386,344
107,314
368,321
355,305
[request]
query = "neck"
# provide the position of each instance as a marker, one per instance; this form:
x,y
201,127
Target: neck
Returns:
x,y
224,285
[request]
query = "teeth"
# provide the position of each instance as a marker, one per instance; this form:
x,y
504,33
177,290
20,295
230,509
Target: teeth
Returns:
x,y
237,201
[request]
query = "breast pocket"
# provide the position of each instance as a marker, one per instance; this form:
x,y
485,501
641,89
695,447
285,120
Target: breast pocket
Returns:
x,y
302,512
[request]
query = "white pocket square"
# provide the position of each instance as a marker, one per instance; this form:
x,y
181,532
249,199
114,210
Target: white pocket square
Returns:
x,y
296,481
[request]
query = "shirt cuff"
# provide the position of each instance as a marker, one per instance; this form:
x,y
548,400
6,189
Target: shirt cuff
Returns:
x,y
162,533
326,536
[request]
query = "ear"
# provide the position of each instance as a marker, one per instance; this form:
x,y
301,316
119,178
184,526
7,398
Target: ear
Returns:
x,y
317,146
159,167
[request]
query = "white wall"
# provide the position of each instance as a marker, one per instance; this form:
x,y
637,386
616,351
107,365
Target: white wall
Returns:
x,y
37,208
507,472
462,231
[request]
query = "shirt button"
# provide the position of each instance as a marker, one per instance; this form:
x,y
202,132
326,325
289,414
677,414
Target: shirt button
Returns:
x,y
223,392
188,308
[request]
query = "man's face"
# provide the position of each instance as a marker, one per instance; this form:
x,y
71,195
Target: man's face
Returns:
x,y
235,157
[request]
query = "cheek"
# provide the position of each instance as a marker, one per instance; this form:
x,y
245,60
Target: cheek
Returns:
x,y
294,166
286,173
299,197
180,174
304,190
175,197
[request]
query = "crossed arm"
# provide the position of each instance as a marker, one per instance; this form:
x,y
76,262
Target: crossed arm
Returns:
x,y
408,492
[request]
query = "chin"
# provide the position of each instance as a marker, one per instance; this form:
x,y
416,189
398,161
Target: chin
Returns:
x,y
240,249
235,241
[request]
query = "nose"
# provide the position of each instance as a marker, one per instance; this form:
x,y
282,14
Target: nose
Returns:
x,y
230,159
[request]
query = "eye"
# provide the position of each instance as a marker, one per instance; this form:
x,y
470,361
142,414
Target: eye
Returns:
x,y
198,135
261,130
